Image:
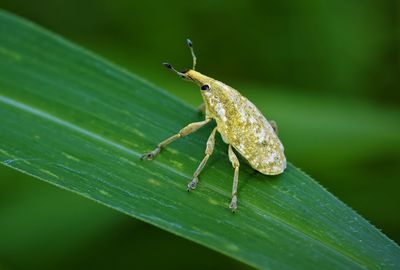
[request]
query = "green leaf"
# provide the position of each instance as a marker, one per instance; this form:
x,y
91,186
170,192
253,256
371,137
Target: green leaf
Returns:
x,y
74,120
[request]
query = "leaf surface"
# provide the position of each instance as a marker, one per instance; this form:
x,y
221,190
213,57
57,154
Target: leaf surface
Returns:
x,y
73,119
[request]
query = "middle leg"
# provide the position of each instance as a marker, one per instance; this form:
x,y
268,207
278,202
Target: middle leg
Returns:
x,y
209,149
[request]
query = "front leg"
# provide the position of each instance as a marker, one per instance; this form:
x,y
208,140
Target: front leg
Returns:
x,y
201,109
182,133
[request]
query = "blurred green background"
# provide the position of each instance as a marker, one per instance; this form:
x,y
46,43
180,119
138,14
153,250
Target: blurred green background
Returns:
x,y
327,72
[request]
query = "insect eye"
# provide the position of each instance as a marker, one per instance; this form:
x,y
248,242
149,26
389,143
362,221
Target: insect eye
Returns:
x,y
205,87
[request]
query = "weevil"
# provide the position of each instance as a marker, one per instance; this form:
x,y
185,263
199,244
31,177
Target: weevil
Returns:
x,y
241,125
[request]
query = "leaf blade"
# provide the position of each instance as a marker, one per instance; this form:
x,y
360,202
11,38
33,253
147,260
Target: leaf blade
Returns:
x,y
81,123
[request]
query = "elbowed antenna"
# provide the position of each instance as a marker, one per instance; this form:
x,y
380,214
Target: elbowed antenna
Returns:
x,y
182,74
190,44
169,66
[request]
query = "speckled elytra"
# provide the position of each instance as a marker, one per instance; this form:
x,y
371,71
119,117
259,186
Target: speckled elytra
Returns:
x,y
240,123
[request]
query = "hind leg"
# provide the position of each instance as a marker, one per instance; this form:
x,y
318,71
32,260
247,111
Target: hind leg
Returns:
x,y
274,126
235,163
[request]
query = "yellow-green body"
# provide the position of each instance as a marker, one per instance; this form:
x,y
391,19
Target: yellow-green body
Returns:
x,y
241,125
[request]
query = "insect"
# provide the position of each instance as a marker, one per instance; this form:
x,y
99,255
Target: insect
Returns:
x,y
240,123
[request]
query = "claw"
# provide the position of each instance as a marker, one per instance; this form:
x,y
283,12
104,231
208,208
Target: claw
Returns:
x,y
151,155
193,184
148,156
233,204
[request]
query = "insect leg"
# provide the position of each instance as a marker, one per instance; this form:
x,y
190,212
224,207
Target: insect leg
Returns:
x,y
235,163
202,108
274,126
182,133
209,150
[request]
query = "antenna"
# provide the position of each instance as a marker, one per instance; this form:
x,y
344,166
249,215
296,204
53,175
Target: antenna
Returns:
x,y
190,44
169,66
